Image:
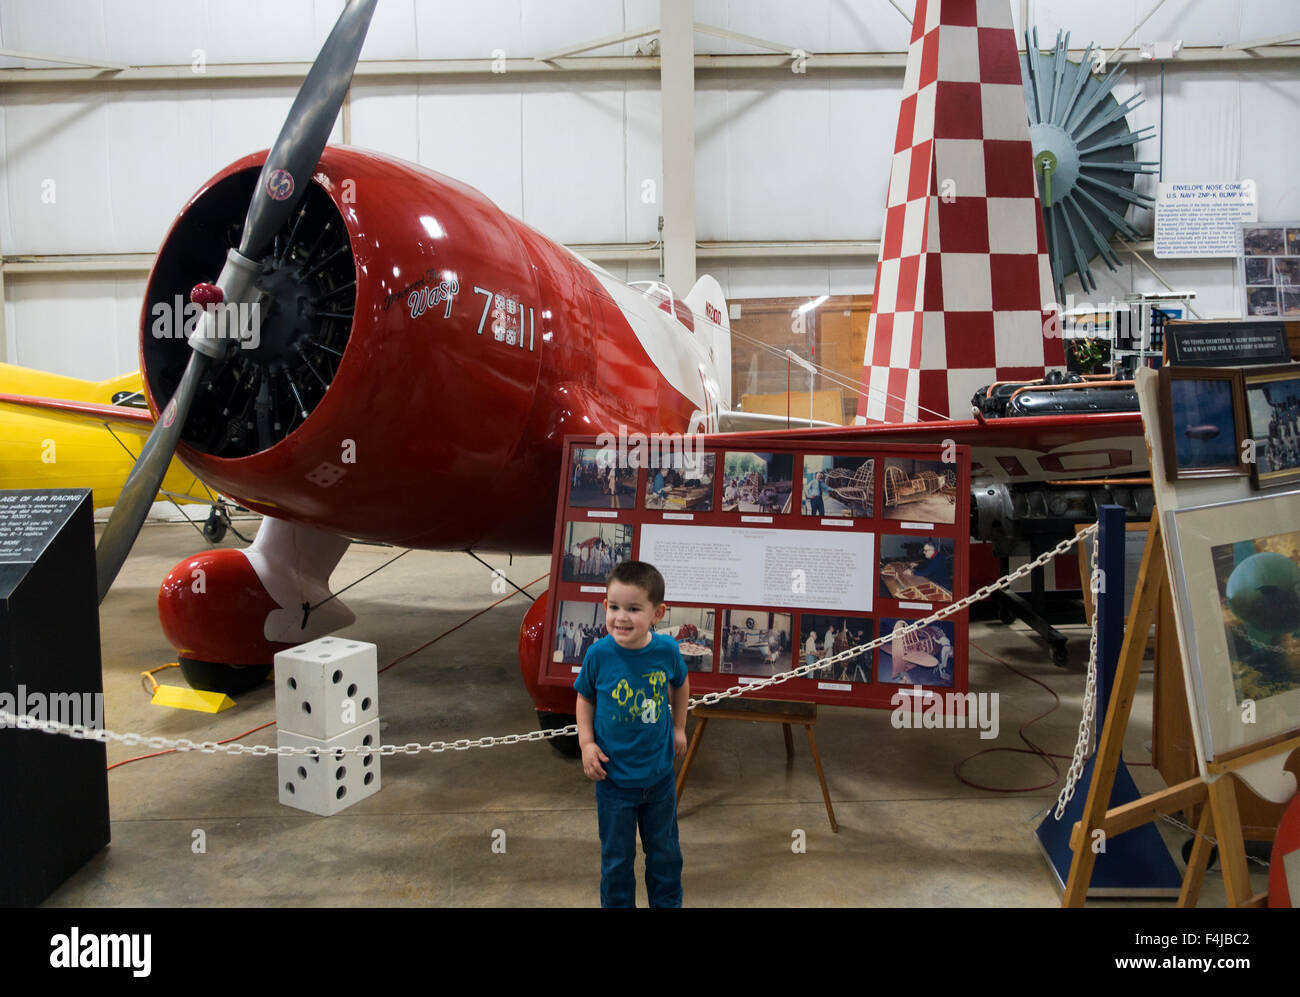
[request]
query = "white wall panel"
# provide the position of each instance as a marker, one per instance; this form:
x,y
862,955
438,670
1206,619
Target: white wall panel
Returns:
x,y
470,30
552,25
644,162
1270,117
473,132
159,153
863,120
1267,18
83,328
43,28
1105,22
55,147
386,118
574,162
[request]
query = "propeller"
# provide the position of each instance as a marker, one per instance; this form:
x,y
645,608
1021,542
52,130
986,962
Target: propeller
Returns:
x,y
280,186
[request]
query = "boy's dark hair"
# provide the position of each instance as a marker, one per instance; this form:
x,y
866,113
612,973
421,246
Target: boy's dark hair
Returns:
x,y
642,575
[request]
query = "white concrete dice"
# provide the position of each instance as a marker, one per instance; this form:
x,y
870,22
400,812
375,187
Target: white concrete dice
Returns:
x,y
327,697
331,781
326,687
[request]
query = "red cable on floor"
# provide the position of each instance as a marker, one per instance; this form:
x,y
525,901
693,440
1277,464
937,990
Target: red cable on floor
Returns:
x,y
269,723
1047,756
170,751
1034,749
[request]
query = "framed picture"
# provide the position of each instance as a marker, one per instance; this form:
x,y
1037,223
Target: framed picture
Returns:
x,y
1202,422
1237,580
1273,410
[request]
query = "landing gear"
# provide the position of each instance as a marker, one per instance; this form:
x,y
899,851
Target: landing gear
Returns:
x,y
210,676
218,522
568,746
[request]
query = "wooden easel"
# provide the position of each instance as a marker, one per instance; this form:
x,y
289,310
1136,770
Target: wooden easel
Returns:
x,y
1219,818
762,711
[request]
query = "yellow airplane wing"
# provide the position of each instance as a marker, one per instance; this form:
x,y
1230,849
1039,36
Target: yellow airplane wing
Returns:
x,y
63,432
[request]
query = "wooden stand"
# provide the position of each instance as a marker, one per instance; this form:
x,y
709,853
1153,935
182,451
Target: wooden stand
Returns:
x,y
1220,817
761,711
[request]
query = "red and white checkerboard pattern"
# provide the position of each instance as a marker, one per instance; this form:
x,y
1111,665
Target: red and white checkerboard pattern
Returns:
x,y
963,277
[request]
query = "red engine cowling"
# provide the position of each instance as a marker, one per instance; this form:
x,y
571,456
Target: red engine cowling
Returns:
x,y
391,389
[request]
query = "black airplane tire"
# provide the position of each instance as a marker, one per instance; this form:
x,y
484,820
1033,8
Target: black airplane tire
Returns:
x,y
568,745
210,676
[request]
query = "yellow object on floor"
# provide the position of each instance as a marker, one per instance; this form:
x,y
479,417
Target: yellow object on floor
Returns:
x,y
191,699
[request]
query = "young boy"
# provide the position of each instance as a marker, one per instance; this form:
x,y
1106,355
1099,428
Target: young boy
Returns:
x,y
629,678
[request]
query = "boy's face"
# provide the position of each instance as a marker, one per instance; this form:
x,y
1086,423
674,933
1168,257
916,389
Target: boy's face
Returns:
x,y
629,614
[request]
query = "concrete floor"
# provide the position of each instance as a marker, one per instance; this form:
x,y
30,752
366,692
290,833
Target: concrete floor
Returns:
x,y
910,833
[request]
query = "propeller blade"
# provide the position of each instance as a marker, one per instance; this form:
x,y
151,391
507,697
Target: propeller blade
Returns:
x,y
298,147
146,477
280,187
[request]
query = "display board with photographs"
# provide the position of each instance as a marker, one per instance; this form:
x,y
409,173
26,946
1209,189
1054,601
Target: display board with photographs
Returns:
x,y
779,556
1237,577
1270,269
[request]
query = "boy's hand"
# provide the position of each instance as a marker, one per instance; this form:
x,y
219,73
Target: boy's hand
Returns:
x,y
679,741
592,756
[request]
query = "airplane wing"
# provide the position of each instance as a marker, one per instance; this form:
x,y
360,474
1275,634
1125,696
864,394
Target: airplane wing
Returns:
x,y
91,413
60,442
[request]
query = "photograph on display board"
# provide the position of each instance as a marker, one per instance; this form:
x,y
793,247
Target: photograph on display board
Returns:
x,y
1203,421
823,637
1293,242
838,486
916,569
1259,270
1259,591
919,490
1273,408
1287,270
579,625
592,549
757,482
692,628
922,657
1289,298
1261,301
754,642
1265,241
684,484
595,483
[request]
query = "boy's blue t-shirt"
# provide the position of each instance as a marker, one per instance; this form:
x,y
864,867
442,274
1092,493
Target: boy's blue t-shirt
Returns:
x,y
632,722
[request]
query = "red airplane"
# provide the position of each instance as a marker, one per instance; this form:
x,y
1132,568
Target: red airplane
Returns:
x,y
418,357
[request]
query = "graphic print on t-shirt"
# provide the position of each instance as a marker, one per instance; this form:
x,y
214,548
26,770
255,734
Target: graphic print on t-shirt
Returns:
x,y
636,705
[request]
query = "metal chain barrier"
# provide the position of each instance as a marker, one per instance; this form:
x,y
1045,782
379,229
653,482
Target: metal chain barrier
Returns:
x,y
1171,819
1083,745
82,732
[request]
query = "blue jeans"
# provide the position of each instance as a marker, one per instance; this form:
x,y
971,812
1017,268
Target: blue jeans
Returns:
x,y
620,811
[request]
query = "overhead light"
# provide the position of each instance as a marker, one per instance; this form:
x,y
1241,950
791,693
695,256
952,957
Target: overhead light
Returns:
x,y
1160,51
809,306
